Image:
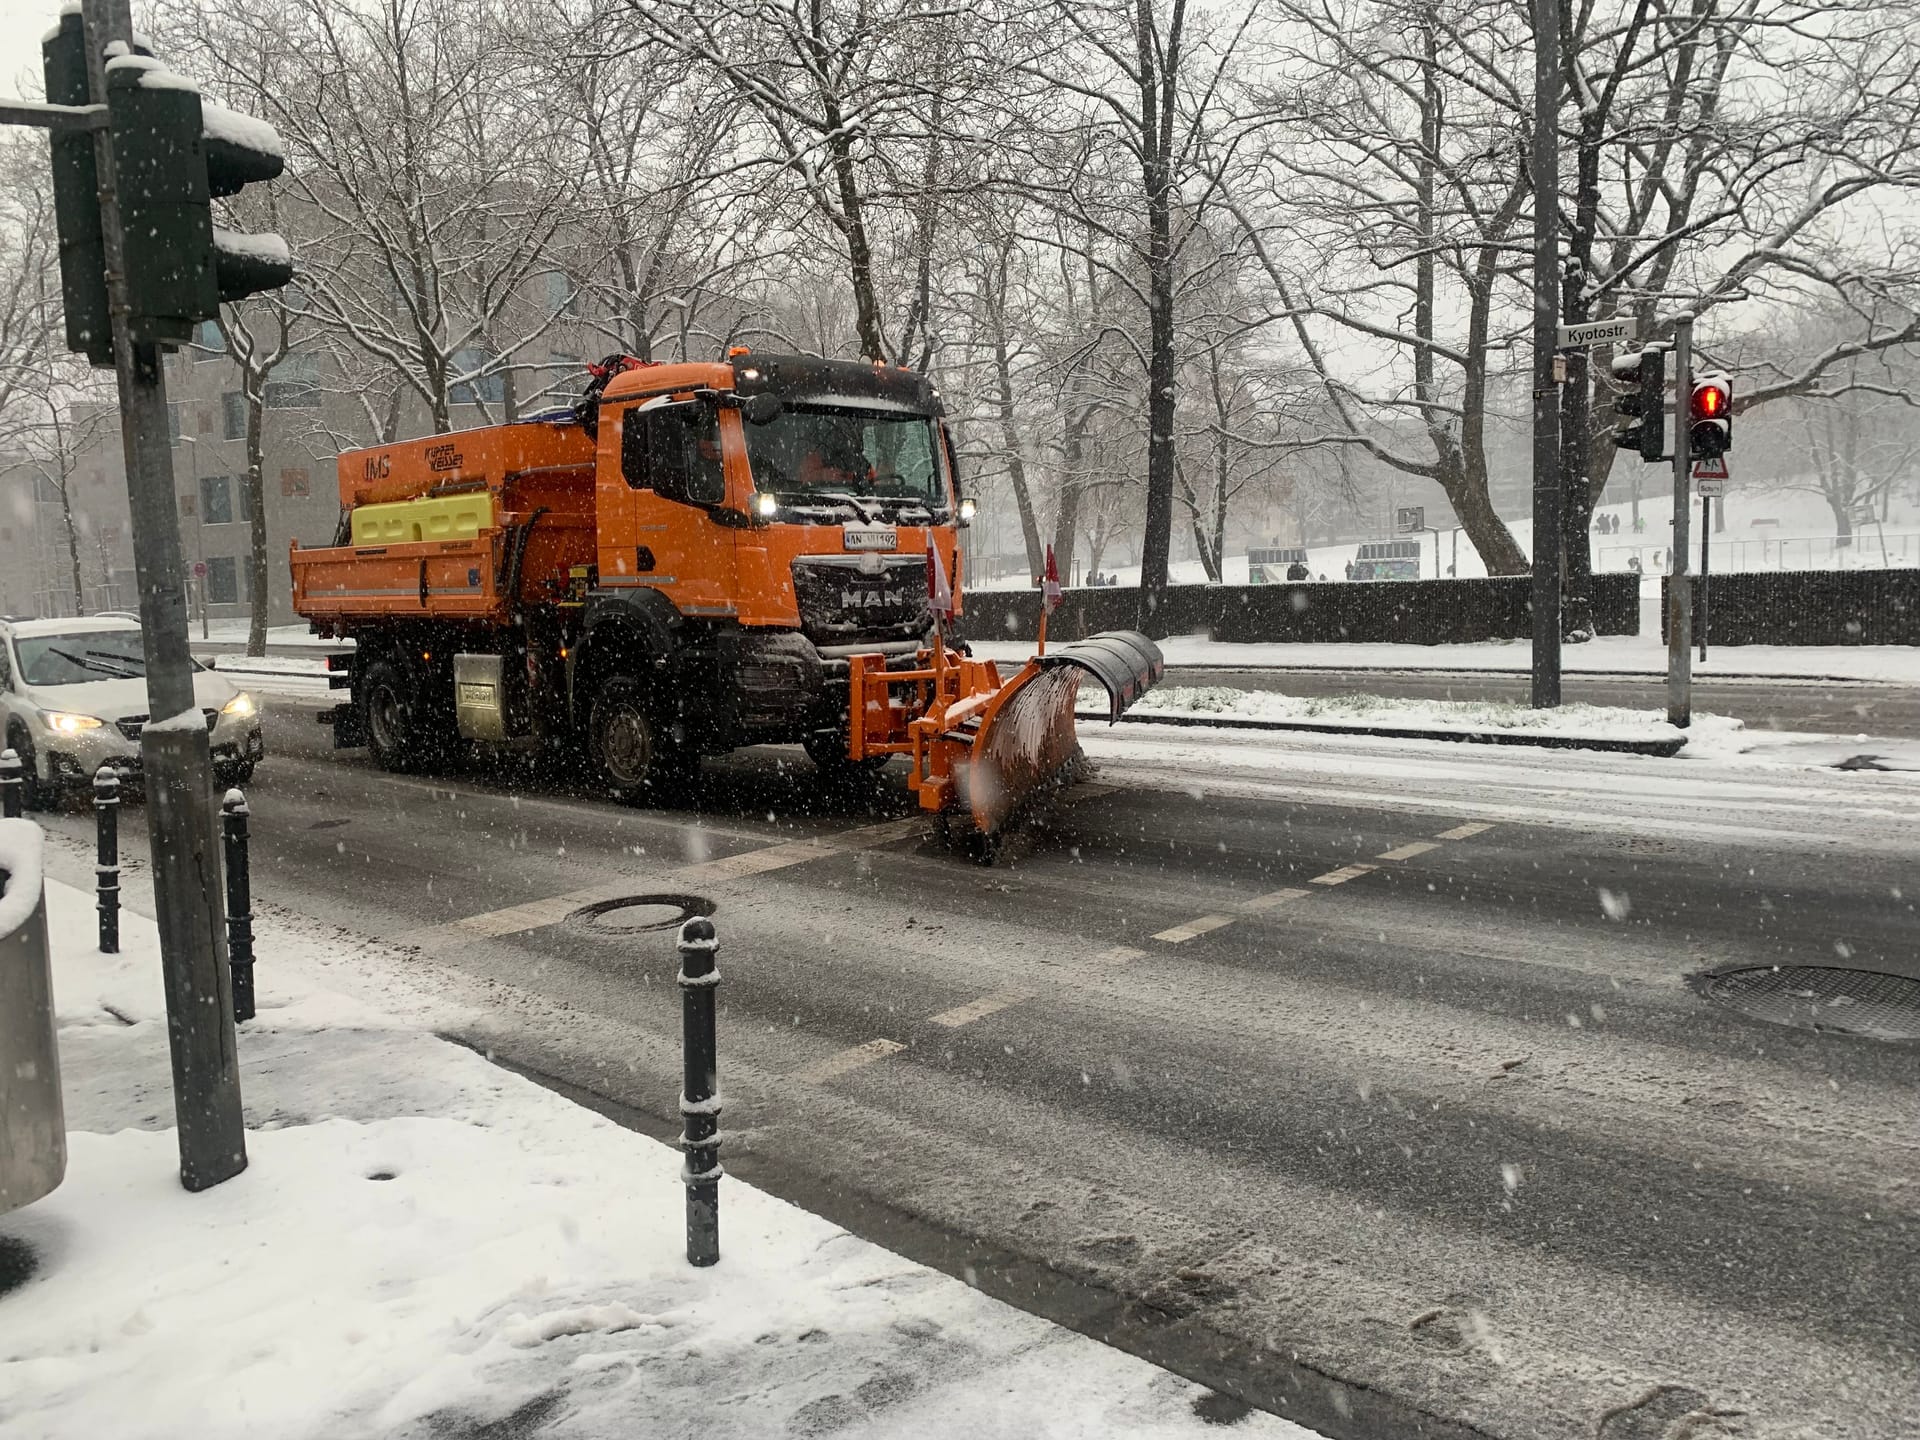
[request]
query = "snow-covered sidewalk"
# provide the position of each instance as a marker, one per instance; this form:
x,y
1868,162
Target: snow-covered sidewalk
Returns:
x,y
426,1245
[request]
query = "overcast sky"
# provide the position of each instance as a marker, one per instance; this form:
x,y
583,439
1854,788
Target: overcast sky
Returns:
x,y
22,23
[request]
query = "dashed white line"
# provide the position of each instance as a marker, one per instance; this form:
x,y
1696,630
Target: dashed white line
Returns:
x,y
1407,852
834,1066
986,1005
1343,874
1181,933
1463,832
1271,899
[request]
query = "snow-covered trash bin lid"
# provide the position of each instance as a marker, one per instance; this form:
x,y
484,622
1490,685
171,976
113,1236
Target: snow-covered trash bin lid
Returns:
x,y
33,1131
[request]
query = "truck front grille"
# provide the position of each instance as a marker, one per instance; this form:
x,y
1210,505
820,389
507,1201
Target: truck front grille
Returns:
x,y
850,598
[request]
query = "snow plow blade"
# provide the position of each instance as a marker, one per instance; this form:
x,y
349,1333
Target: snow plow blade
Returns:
x,y
1026,745
984,749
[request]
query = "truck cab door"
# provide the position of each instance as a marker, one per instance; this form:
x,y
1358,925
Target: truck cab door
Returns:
x,y
658,501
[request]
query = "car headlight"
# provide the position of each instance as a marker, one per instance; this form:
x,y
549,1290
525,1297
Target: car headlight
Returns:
x,y
241,704
66,724
966,509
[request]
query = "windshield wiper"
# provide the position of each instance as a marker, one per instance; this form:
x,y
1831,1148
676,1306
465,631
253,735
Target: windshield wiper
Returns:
x,y
94,664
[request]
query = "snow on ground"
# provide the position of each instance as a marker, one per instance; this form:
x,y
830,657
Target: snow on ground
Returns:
x,y
424,1244
1444,717
236,631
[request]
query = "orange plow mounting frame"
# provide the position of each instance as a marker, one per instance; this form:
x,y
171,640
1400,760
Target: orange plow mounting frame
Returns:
x,y
982,746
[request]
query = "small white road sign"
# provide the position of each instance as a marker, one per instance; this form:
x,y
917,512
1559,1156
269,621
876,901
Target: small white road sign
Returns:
x,y
1710,477
1598,332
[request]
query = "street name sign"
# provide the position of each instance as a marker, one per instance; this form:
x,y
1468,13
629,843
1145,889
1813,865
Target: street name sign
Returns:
x,y
1597,332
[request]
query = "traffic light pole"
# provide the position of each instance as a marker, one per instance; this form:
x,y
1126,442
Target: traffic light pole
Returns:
x,y
1679,595
1547,559
174,746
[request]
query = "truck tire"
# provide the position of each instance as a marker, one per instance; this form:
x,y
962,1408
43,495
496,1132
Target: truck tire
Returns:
x,y
625,741
392,723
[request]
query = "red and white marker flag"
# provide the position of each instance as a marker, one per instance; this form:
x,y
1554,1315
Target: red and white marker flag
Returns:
x,y
939,592
1050,590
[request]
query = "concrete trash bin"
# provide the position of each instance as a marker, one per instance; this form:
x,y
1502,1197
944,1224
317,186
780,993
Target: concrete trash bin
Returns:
x,y
33,1129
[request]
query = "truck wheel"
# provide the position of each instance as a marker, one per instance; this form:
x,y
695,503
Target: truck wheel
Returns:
x,y
392,731
627,748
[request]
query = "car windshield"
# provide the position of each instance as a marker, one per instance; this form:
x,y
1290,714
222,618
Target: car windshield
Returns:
x,y
846,458
74,659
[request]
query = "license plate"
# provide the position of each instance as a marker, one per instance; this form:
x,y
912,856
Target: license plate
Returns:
x,y
476,694
871,537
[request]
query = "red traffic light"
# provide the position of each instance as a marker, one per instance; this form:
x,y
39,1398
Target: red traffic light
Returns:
x,y
1709,401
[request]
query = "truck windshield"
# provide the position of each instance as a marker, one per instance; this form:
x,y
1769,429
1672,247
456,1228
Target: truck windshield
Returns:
x,y
847,459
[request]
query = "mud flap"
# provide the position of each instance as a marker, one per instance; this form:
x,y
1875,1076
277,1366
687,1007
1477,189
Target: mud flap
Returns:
x,y
1025,745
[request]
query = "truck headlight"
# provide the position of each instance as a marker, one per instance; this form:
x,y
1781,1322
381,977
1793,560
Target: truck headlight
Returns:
x,y
66,724
764,506
241,704
966,509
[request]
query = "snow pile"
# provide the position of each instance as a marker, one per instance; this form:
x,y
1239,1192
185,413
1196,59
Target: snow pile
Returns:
x,y
424,1244
1369,712
20,842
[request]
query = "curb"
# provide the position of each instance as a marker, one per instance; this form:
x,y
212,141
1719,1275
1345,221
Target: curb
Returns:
x,y
1662,748
1652,677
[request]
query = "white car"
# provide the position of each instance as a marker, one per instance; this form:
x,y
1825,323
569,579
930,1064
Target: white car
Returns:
x,y
73,696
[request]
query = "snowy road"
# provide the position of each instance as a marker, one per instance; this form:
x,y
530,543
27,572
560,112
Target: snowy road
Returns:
x,y
1358,1079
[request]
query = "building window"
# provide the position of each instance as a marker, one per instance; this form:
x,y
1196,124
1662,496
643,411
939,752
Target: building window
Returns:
x,y
243,499
189,505
293,483
490,388
233,406
294,384
223,580
560,293
209,343
216,499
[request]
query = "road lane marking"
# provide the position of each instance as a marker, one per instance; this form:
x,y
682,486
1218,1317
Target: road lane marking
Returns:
x,y
986,1005
1181,933
1119,955
537,914
1343,874
834,1066
1407,852
1463,832
1273,898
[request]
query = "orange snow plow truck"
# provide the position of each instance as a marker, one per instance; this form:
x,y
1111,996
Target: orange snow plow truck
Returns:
x,y
694,558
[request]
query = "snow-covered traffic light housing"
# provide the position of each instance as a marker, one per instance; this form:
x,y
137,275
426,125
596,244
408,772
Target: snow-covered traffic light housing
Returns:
x,y
172,153
1710,417
1643,374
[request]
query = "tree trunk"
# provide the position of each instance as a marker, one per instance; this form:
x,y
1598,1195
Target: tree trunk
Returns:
x,y
1016,464
1066,519
257,580
1161,457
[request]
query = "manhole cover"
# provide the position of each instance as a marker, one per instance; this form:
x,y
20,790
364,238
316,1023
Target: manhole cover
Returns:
x,y
640,914
1821,997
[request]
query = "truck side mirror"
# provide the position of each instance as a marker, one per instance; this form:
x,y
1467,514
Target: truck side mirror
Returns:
x,y
762,409
674,451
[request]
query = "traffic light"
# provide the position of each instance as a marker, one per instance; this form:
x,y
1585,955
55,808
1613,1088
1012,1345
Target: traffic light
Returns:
x,y
1645,373
1710,431
172,154
76,198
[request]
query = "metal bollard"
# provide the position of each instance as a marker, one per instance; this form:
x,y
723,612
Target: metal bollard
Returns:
x,y
699,1105
12,805
106,869
233,832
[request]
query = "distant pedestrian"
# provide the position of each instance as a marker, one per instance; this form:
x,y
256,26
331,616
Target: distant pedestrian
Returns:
x,y
1633,564
1296,571
1349,569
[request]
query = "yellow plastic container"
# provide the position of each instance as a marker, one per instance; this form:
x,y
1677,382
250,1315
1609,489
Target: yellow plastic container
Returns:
x,y
441,517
